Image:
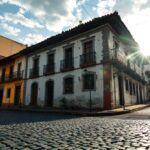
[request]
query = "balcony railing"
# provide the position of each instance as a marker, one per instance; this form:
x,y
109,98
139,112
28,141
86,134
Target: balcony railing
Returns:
x,y
48,69
67,64
117,55
2,79
14,76
7,78
88,59
18,75
121,61
34,72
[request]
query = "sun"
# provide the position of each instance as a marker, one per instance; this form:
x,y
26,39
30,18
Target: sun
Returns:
x,y
144,47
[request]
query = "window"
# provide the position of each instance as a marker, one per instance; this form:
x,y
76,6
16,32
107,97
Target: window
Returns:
x,y
133,88
89,55
68,62
116,45
50,59
127,86
19,70
68,85
50,62
89,82
36,66
130,83
8,93
19,67
88,47
3,74
11,72
36,63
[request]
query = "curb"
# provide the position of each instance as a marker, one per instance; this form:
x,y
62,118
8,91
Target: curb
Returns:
x,y
88,114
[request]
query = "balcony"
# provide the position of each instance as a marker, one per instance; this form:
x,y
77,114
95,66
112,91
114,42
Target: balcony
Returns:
x,y
34,72
67,64
14,76
120,61
147,73
2,79
18,75
8,78
49,69
88,59
118,56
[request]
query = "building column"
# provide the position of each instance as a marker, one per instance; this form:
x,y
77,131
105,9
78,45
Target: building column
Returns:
x,y
107,74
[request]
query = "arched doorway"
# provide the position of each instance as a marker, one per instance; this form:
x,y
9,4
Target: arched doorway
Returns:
x,y
34,94
49,93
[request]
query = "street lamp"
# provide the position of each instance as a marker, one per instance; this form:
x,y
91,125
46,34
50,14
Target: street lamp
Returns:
x,y
89,85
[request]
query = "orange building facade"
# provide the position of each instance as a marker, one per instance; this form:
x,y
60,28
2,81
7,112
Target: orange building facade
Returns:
x,y
12,72
9,47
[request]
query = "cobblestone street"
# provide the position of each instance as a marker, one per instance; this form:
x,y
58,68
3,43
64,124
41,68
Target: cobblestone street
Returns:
x,y
77,133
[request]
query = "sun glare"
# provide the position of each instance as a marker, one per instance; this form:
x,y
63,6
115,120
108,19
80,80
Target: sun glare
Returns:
x,y
144,47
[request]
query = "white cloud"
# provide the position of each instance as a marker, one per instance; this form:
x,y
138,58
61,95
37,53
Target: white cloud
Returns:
x,y
32,38
135,15
53,14
20,19
105,6
10,29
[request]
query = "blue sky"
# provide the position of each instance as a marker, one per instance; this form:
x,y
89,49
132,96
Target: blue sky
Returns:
x,y
31,21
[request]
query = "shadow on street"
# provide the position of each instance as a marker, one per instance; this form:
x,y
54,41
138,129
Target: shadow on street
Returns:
x,y
15,117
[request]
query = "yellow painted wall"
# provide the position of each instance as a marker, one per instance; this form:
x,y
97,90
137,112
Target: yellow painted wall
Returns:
x,y
9,47
10,101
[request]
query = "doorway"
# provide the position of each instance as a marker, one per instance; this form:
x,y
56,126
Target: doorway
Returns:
x,y
137,95
121,93
49,95
141,99
1,96
34,94
17,98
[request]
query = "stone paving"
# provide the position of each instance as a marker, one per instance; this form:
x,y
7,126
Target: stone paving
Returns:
x,y
86,133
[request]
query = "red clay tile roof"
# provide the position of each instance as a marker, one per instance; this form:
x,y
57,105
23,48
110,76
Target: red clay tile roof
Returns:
x,y
113,20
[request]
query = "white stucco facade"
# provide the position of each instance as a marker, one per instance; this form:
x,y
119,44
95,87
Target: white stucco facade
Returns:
x,y
126,56
79,96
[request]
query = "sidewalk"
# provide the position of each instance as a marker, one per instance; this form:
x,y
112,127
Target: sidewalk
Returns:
x,y
117,111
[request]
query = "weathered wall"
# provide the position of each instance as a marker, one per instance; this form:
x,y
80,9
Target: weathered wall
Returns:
x,y
79,96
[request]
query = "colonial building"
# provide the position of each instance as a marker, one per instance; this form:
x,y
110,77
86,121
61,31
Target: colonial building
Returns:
x,y
90,66
9,47
12,73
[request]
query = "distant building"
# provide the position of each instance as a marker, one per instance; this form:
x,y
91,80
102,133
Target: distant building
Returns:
x,y
9,47
12,70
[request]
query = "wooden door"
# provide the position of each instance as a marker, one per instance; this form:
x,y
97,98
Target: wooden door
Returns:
x,y
17,98
49,93
34,94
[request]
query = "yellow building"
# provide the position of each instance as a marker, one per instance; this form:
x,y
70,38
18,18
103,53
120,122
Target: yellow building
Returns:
x,y
9,47
12,73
